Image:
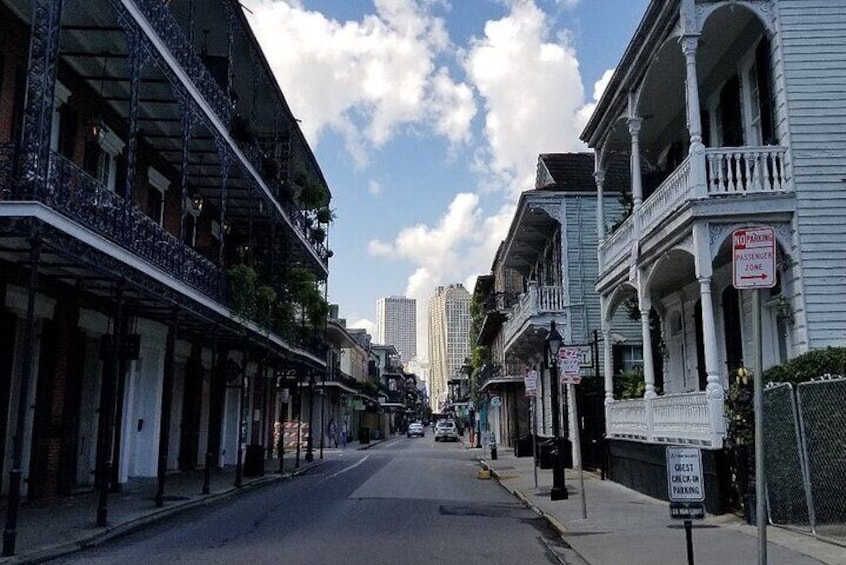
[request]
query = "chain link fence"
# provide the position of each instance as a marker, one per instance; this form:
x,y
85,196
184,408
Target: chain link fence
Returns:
x,y
805,451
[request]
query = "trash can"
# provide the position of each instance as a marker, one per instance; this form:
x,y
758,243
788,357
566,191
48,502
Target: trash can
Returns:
x,y
254,461
546,454
364,435
523,447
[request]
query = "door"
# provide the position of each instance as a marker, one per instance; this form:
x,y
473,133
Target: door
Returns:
x,y
42,482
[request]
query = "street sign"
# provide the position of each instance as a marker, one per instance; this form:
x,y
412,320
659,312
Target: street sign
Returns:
x,y
530,381
496,402
569,359
687,510
753,258
585,354
684,474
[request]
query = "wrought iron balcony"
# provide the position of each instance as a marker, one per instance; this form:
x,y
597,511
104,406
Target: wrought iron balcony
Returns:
x,y
168,29
536,301
76,195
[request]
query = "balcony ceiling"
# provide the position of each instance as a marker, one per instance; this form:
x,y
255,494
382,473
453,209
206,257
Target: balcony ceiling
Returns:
x,y
532,231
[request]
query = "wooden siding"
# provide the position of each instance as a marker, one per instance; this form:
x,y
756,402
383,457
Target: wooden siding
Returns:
x,y
813,55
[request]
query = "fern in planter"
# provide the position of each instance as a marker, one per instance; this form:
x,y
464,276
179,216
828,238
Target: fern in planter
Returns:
x,y
314,195
242,290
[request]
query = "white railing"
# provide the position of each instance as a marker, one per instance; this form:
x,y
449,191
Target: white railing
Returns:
x,y
617,244
673,418
730,171
536,300
667,198
627,419
743,170
681,418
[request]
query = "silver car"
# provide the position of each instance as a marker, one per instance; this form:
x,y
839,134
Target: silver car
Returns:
x,y
445,430
415,429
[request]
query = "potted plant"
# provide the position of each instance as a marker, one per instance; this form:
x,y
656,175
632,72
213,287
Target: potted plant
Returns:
x,y
242,290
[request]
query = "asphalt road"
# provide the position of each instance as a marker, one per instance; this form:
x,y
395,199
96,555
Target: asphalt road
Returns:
x,y
403,501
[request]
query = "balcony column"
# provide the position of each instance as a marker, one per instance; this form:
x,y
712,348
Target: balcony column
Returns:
x,y
134,45
607,357
168,376
40,86
637,182
689,43
186,107
223,155
714,392
599,175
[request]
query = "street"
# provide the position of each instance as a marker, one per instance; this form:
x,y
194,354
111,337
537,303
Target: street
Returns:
x,y
403,501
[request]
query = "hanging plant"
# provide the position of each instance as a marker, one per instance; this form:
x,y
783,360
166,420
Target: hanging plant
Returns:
x,y
265,304
325,215
242,290
318,235
314,195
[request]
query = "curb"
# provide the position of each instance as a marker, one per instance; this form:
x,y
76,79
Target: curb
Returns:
x,y
553,522
125,528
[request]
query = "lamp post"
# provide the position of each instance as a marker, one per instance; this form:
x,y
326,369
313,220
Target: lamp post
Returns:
x,y
553,343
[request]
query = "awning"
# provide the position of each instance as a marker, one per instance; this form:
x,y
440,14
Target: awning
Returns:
x,y
502,381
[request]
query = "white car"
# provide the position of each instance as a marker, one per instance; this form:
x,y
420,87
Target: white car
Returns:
x,y
445,430
415,429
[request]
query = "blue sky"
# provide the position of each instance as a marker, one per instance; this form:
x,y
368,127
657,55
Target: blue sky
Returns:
x,y
427,117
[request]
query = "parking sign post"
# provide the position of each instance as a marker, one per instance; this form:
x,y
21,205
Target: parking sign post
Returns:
x,y
753,268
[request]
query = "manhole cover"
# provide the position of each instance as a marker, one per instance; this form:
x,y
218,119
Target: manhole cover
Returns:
x,y
486,510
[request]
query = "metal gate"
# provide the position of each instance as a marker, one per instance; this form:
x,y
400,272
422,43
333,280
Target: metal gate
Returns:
x,y
805,454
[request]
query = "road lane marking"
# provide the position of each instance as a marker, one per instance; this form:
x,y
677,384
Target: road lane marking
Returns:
x,y
350,468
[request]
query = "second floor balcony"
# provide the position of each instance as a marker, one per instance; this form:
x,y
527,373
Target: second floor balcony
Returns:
x,y
735,177
528,320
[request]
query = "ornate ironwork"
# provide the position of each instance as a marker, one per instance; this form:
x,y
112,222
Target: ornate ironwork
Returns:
x,y
135,44
41,82
186,107
166,26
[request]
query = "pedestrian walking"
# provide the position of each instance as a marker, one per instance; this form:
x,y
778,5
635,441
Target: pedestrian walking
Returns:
x,y
345,432
332,432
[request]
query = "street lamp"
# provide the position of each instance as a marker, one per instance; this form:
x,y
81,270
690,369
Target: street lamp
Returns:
x,y
553,344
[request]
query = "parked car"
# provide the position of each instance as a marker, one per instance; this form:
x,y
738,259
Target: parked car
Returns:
x,y
445,430
415,429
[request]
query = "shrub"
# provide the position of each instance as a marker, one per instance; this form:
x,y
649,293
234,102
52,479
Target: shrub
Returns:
x,y
809,366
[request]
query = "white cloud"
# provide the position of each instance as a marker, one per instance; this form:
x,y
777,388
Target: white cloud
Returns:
x,y
374,188
364,79
364,324
598,90
532,89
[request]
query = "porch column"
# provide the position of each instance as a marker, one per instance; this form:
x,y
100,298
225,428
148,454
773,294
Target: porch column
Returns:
x,y
10,531
637,184
714,392
648,365
167,404
689,44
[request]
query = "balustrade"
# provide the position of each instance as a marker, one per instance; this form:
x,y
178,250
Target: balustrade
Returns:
x,y
676,418
741,170
730,171
536,300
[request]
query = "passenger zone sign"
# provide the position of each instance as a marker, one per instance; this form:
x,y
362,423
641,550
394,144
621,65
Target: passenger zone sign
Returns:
x,y
753,258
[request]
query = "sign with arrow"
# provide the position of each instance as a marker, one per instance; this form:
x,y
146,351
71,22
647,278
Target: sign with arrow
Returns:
x,y
753,258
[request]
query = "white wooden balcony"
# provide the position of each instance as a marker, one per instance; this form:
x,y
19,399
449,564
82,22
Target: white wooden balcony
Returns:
x,y
729,172
674,418
536,301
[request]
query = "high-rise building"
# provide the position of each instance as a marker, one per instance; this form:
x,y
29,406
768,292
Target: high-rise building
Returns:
x,y
449,339
396,324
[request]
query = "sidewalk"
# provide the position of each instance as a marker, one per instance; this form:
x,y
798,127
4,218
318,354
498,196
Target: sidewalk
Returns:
x,y
625,527
65,525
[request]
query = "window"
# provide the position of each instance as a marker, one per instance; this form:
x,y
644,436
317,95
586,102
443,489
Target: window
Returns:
x,y
157,185
627,357
101,158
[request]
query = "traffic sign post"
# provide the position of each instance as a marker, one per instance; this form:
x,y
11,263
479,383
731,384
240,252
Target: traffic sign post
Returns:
x,y
754,268
570,362
686,489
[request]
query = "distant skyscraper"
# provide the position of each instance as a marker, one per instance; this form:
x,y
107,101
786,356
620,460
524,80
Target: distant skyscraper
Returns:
x,y
449,339
396,324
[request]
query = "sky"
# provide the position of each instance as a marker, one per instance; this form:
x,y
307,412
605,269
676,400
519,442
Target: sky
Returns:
x,y
427,118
